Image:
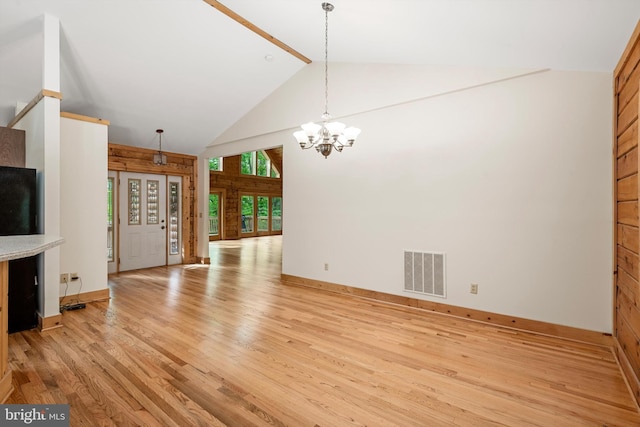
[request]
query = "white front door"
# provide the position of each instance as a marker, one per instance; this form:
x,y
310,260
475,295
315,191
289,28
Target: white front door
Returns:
x,y
143,225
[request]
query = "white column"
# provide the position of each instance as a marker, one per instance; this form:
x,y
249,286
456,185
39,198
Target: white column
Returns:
x,y
50,175
203,207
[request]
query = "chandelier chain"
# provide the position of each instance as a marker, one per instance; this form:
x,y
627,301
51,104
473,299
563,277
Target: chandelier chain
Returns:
x,y
326,61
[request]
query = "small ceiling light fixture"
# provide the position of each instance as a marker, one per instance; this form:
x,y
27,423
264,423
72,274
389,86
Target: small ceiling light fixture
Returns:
x,y
160,158
328,135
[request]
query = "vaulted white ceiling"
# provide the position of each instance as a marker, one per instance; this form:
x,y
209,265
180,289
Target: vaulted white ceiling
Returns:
x,y
183,66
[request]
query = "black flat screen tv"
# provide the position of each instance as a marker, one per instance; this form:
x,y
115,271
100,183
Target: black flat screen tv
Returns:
x,y
18,213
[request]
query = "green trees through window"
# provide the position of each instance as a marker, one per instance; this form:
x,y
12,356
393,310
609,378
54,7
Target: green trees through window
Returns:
x,y
214,214
247,163
215,164
261,214
264,164
276,214
257,163
247,214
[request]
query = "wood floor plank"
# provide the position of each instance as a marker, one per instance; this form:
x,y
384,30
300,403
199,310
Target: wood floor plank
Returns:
x,y
230,344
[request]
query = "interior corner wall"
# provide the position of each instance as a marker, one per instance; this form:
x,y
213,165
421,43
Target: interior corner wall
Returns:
x,y
83,209
511,180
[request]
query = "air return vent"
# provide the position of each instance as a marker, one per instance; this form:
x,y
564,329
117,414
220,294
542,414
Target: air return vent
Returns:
x,y
424,272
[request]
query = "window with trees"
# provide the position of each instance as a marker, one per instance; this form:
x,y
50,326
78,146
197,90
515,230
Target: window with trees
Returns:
x,y
257,163
214,214
247,204
248,163
276,214
264,164
215,164
261,214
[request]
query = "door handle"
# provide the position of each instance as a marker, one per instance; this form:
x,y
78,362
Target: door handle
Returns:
x,y
162,227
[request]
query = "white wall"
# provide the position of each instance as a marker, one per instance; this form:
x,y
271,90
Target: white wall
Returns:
x,y
511,179
83,207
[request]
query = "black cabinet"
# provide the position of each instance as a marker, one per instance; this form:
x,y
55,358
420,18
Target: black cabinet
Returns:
x,y
23,294
18,215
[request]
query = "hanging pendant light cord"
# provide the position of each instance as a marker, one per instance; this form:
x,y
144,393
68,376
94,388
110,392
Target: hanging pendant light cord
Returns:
x,y
160,132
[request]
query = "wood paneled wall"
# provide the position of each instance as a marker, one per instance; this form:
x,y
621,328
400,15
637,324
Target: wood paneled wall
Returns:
x,y
233,184
133,159
626,231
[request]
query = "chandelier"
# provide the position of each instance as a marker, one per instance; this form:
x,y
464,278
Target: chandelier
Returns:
x,y
329,135
160,158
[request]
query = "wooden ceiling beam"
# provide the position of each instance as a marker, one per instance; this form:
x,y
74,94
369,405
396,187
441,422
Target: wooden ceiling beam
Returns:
x,y
231,14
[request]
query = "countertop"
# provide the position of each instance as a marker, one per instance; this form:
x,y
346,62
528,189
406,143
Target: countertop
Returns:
x,y
15,247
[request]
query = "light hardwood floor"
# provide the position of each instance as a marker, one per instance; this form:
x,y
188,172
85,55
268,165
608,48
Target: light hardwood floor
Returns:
x,y
230,344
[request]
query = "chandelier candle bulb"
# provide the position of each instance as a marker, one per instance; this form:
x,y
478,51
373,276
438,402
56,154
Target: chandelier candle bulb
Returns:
x,y
328,135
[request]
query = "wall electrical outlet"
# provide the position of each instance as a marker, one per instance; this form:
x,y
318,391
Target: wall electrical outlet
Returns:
x,y
74,276
326,266
64,277
474,288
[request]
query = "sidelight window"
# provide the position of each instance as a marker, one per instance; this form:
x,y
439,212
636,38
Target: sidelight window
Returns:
x,y
110,230
174,218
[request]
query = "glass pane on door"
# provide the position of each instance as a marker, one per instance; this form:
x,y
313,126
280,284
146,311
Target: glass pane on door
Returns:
x,y
152,202
276,214
134,201
247,214
214,214
263,213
